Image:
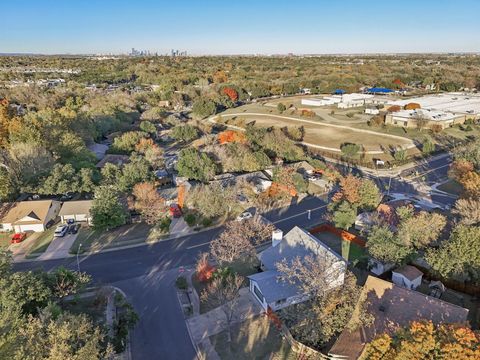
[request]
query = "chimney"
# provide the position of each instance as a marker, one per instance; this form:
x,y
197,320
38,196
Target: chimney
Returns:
x,y
277,236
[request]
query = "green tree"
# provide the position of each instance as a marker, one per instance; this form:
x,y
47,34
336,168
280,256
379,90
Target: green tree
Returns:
x,y
459,256
350,150
369,194
421,230
281,107
196,165
61,180
400,155
107,211
110,174
125,143
211,200
384,246
7,187
136,171
428,146
204,107
344,216
185,133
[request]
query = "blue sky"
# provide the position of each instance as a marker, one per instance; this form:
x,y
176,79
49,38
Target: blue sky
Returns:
x,y
239,27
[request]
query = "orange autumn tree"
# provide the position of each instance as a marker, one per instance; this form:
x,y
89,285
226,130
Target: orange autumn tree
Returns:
x,y
231,93
349,186
424,340
144,144
229,136
412,106
204,270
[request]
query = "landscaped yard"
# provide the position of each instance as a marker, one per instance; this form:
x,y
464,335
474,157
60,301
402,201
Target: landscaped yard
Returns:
x,y
349,250
256,338
92,240
40,244
92,305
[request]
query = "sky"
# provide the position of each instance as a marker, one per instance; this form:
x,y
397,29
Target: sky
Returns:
x,y
239,27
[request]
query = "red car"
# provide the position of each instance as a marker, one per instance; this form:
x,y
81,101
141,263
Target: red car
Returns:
x,y
18,238
175,211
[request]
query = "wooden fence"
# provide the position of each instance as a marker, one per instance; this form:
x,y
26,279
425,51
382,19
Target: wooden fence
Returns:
x,y
344,235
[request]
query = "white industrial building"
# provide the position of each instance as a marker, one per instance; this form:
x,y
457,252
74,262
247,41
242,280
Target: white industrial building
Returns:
x,y
410,118
345,101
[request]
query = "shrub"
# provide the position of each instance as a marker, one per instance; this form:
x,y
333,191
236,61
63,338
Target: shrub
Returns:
x,y
400,155
350,114
350,150
204,269
164,224
281,107
436,128
206,222
190,219
428,146
181,283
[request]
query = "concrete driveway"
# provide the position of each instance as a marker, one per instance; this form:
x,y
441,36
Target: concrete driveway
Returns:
x,y
59,247
19,250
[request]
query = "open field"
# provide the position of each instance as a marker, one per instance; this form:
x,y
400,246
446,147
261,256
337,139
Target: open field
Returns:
x,y
256,338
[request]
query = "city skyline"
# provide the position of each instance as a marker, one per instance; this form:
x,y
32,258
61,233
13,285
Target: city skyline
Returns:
x,y
247,28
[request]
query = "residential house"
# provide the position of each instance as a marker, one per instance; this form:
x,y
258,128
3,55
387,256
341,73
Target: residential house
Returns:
x,y
274,292
407,276
34,216
392,307
76,211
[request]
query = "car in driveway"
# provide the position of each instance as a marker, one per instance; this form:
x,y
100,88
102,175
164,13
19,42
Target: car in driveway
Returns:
x,y
244,216
18,238
73,228
61,231
175,211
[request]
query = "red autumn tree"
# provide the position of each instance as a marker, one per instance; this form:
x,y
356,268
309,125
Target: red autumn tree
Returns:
x,y
231,93
394,108
204,269
229,136
412,106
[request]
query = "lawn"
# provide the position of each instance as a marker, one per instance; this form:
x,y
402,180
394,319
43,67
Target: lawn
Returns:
x,y
94,306
451,187
5,240
349,251
253,339
92,240
41,243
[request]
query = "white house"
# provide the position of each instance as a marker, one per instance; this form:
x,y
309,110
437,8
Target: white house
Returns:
x,y
378,268
372,110
407,276
30,216
274,292
77,211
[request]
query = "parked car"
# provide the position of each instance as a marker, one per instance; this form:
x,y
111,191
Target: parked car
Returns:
x,y
67,196
175,211
244,216
60,231
73,229
18,238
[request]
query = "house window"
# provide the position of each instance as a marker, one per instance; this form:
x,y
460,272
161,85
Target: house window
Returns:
x,y
258,293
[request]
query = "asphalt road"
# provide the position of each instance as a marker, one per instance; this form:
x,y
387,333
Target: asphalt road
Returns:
x,y
147,273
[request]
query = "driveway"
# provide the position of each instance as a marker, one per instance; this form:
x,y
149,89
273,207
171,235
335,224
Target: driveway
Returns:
x,y
19,250
59,247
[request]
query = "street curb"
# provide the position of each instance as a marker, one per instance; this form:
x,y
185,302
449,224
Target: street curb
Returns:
x,y
128,348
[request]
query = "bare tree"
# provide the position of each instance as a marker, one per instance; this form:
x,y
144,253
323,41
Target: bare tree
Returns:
x,y
148,202
223,292
468,210
314,275
238,239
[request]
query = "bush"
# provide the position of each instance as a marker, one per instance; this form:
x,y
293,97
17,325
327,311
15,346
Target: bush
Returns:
x,y
400,155
350,114
190,219
164,224
428,146
185,133
281,107
350,150
206,222
181,283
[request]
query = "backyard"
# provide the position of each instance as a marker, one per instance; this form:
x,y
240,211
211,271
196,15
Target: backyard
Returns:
x,y
256,338
349,250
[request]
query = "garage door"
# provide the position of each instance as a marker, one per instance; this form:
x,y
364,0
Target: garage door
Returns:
x,y
29,227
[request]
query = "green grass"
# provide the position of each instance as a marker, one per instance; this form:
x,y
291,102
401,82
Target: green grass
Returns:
x,y
253,339
41,243
351,251
96,240
5,240
93,306
451,187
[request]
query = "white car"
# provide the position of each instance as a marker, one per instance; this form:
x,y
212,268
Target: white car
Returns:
x,y
60,231
244,216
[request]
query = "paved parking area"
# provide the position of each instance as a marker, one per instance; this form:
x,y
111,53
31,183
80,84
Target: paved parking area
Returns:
x,y
59,247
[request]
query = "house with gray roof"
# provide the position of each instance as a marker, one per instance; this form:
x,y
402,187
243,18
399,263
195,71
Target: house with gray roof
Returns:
x,y
271,289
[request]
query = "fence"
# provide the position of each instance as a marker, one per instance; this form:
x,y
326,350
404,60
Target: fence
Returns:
x,y
344,235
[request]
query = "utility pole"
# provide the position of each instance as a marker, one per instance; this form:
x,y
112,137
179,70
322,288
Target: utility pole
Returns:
x,y
78,252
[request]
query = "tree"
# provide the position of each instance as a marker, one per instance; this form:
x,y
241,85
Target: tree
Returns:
x,y
344,216
196,165
148,202
468,210
125,143
384,246
369,194
428,146
185,133
67,336
204,107
64,282
231,93
223,292
87,180
136,171
110,174
349,187
350,150
7,187
61,180
423,340
421,230
318,320
400,155
154,155
471,183
459,256
107,211
281,107
211,200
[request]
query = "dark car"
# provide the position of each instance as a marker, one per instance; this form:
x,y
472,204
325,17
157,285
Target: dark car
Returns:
x,y
73,229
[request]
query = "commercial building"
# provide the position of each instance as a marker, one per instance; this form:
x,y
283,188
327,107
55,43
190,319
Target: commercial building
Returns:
x,y
345,101
412,118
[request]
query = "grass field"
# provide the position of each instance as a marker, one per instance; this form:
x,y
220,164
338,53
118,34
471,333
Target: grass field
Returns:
x,y
41,243
5,240
349,251
92,240
253,339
